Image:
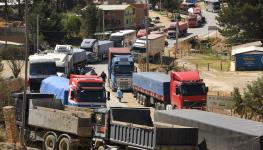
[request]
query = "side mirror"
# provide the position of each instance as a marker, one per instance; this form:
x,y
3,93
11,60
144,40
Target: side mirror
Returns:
x,y
206,89
108,95
135,69
92,119
178,91
72,94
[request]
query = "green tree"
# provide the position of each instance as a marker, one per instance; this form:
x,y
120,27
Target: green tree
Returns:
x,y
171,5
241,21
72,25
251,103
89,20
50,22
153,2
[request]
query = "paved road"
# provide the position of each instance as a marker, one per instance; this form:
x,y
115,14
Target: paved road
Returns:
x,y
202,31
127,101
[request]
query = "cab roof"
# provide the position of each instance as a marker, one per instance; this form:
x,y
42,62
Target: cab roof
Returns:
x,y
186,76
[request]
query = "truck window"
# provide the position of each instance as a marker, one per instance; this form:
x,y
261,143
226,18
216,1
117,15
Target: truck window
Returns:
x,y
193,89
91,95
120,69
60,69
42,69
138,49
90,84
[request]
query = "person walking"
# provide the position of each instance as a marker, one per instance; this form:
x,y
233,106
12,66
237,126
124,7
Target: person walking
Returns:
x,y
119,94
103,76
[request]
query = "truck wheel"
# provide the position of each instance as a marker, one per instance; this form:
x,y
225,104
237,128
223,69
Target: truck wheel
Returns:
x,y
64,144
50,142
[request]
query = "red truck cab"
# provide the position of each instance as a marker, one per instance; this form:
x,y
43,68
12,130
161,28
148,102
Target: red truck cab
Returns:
x,y
87,90
187,90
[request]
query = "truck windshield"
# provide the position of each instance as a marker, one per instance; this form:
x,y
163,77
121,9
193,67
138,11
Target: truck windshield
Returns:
x,y
60,69
118,40
216,5
139,49
193,89
43,69
123,69
91,95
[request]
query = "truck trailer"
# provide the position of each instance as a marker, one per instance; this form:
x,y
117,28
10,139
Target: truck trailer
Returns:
x,y
156,44
183,26
120,68
69,128
96,50
124,128
79,90
220,132
47,120
179,90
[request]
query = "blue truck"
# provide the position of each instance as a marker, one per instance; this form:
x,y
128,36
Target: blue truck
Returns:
x,y
120,69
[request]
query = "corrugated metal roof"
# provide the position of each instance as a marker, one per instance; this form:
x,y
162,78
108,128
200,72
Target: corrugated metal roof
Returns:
x,y
113,7
247,49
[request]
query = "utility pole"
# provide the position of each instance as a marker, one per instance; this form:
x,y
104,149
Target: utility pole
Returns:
x,y
22,132
103,24
6,23
177,35
37,33
146,46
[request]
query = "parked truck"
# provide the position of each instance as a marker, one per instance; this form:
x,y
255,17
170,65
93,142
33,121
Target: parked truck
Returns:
x,y
156,44
68,128
122,128
78,56
183,26
120,69
40,67
212,5
79,90
48,121
195,18
220,132
96,50
179,90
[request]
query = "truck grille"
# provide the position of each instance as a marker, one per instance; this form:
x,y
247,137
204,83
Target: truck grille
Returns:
x,y
124,85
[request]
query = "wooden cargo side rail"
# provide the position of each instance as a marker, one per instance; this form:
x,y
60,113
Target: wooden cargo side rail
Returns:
x,y
150,93
132,135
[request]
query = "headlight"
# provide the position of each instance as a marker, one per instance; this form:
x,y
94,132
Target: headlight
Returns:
x,y
98,118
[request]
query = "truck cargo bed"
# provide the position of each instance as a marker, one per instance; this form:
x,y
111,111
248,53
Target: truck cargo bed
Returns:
x,y
132,131
220,132
60,120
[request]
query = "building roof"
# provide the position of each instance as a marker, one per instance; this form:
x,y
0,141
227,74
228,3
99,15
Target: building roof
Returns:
x,y
153,36
257,43
113,7
247,49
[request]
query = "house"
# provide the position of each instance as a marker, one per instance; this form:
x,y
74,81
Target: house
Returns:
x,y
248,58
139,15
118,17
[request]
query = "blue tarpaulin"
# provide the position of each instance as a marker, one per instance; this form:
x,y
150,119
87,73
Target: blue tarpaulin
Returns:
x,y
58,86
155,82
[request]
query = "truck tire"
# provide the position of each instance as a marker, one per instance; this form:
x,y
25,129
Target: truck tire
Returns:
x,y
64,144
50,142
